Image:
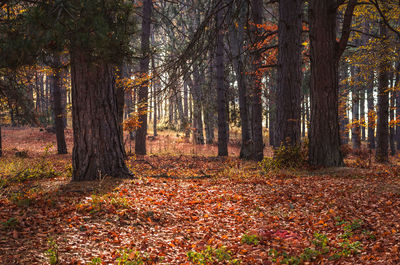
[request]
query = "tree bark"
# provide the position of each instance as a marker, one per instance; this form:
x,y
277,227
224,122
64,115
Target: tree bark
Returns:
x,y
198,135
1,143
382,132
256,102
371,111
324,148
392,126
140,141
98,146
397,106
343,97
58,106
236,40
288,111
362,113
355,106
221,91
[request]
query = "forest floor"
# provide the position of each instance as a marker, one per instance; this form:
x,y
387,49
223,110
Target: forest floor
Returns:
x,y
188,207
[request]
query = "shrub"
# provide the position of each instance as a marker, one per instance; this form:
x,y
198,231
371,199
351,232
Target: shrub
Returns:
x,y
287,157
250,239
212,255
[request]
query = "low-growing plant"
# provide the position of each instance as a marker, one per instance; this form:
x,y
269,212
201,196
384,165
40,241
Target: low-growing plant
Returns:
x,y
320,247
286,157
132,257
250,239
52,252
212,255
96,261
10,223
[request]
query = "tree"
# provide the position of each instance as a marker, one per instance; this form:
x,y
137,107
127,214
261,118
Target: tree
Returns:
x,y
355,104
382,129
255,94
325,52
288,111
140,142
221,91
58,106
236,40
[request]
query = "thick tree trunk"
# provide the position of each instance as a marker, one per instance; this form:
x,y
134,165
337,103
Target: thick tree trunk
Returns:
x,y
140,141
288,111
324,136
221,92
98,146
256,102
58,106
382,130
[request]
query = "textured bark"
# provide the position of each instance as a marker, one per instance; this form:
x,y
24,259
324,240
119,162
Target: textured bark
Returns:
x,y
140,141
343,97
198,135
1,144
382,130
303,117
355,106
272,115
397,106
288,111
362,112
324,136
256,102
236,35
58,106
371,111
392,127
98,146
186,108
221,91
155,97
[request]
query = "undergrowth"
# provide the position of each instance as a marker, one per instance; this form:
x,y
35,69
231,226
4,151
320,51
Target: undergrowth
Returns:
x,y
286,157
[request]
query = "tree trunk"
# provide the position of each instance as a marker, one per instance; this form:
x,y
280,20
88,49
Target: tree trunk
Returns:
x,y
397,106
98,146
355,99
362,112
288,108
256,102
325,52
58,106
272,115
1,144
221,92
343,97
198,135
371,111
392,126
140,141
382,130
236,35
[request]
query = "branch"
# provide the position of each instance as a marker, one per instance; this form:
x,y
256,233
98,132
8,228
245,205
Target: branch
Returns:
x,y
384,19
348,16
